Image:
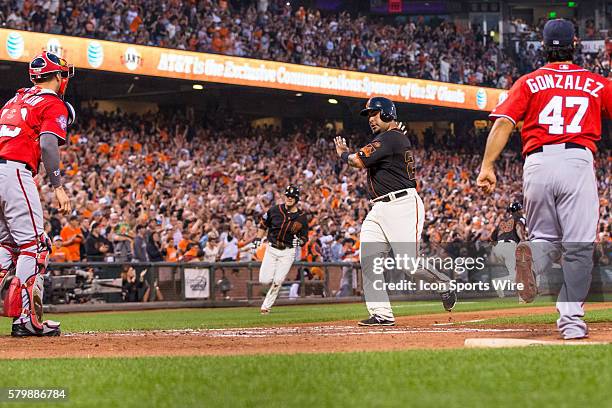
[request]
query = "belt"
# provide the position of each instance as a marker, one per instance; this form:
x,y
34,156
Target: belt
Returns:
x,y
280,246
568,145
507,240
391,196
20,164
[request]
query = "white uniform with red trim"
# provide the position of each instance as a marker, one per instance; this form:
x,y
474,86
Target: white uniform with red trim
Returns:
x,y
31,112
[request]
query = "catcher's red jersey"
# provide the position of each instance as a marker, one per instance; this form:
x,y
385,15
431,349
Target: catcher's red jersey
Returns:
x,y
31,112
558,103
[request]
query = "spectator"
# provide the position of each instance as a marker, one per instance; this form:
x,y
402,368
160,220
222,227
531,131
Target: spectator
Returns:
x,y
140,245
72,236
59,253
211,250
97,247
122,238
154,247
229,245
133,289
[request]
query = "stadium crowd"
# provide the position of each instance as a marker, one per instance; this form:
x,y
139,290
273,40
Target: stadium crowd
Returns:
x,y
272,29
146,189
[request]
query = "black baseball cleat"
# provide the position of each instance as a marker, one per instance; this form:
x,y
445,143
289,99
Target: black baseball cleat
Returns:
x,y
376,321
449,300
50,329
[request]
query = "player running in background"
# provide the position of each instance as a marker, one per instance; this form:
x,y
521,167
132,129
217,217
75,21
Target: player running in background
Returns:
x,y
32,125
507,235
286,227
562,106
395,222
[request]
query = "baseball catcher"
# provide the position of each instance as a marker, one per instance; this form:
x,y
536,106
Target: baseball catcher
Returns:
x,y
33,125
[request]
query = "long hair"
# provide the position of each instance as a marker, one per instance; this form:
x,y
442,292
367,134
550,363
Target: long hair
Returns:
x,y
558,54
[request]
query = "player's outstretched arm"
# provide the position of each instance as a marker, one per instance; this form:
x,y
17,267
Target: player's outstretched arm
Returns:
x,y
497,140
343,152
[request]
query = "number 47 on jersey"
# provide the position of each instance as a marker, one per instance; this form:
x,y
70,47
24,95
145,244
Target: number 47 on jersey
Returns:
x,y
552,114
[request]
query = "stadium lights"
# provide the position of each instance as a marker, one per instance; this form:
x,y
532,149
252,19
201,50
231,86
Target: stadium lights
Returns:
x,y
298,94
198,87
332,101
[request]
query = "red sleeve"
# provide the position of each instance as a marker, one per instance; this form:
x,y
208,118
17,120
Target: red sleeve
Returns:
x,y
606,100
515,105
54,119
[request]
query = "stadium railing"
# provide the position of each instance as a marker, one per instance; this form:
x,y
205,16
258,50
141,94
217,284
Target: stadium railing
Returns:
x,y
182,281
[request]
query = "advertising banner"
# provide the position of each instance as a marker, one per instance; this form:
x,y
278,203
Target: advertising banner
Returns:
x,y
168,63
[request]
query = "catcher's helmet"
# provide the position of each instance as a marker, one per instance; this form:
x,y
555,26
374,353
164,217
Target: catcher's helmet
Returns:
x,y
385,106
293,191
515,207
48,63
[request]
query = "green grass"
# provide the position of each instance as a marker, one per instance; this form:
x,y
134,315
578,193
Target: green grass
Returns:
x,y
248,316
593,316
539,376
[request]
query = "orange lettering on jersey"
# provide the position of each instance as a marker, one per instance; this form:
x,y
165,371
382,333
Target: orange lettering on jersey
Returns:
x,y
368,149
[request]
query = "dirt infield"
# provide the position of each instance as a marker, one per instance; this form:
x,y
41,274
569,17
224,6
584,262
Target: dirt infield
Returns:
x,y
435,331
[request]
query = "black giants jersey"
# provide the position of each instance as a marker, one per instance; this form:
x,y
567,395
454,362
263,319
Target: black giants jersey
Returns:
x,y
390,163
282,226
507,230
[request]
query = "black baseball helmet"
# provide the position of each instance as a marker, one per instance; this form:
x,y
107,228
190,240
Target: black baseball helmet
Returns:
x,y
385,106
515,207
293,191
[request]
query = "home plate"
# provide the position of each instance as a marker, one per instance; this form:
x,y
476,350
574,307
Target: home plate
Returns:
x,y
493,342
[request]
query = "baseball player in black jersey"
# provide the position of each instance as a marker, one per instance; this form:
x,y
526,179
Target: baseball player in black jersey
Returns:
x,y
395,221
286,227
510,231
